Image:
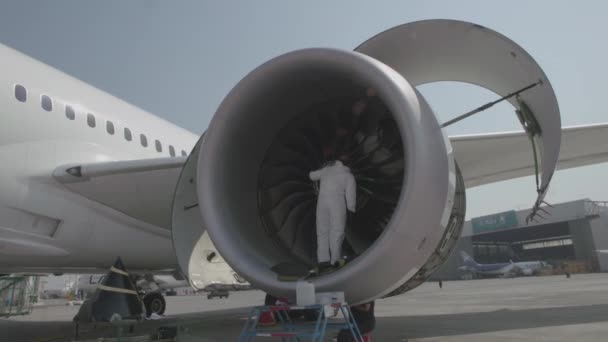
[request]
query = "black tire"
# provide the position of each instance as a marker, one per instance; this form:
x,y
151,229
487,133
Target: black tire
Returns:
x,y
154,303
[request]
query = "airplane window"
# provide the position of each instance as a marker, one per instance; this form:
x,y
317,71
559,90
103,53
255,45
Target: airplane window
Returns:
x,y
159,146
70,113
128,134
171,150
91,120
143,140
46,102
20,93
184,154
110,127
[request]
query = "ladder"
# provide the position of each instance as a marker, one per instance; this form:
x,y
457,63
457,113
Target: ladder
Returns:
x,y
289,330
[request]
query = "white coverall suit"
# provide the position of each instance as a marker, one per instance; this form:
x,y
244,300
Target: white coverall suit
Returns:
x,y
337,192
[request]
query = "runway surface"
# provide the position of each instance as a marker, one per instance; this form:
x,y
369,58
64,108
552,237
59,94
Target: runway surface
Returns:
x,y
518,309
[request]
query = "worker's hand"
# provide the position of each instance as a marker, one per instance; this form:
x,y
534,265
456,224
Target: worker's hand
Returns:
x,y
359,107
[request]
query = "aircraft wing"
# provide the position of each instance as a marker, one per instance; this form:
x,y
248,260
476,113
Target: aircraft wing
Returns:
x,y
142,189
489,158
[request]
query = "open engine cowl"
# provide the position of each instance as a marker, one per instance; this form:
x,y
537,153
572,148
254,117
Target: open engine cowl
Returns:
x,y
246,184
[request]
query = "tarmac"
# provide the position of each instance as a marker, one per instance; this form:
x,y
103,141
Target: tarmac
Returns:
x,y
551,308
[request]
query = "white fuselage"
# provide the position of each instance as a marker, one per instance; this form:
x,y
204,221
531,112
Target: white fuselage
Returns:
x,y
530,267
45,227
88,282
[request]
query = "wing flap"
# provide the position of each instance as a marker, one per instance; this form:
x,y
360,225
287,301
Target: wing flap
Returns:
x,y
489,158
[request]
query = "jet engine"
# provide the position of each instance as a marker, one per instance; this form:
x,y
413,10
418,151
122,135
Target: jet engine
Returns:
x,y
247,184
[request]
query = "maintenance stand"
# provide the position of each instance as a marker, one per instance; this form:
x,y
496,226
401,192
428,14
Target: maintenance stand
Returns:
x,y
288,330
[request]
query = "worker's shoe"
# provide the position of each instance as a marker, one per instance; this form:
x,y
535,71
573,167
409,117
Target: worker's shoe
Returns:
x,y
340,263
325,267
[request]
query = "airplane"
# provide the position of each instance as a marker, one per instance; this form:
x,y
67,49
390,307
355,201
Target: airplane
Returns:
x,y
87,283
87,177
154,288
508,269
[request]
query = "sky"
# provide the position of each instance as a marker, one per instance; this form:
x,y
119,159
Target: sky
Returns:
x,y
178,59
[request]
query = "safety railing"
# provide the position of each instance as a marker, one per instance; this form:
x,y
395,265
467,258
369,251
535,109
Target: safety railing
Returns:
x,y
18,295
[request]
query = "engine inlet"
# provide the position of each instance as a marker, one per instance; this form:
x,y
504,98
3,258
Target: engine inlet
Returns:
x,y
360,130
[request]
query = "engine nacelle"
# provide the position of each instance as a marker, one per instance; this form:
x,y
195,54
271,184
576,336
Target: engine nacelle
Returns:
x,y
277,125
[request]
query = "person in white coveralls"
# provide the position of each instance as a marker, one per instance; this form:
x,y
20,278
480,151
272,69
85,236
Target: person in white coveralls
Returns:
x,y
337,193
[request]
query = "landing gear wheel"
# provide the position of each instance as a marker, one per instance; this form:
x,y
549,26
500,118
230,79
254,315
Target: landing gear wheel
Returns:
x,y
154,303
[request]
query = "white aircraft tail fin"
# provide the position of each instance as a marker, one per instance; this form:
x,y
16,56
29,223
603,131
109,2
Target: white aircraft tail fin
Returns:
x,y
468,260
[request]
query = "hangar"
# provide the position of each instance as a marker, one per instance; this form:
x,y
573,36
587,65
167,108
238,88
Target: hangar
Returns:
x,y
568,237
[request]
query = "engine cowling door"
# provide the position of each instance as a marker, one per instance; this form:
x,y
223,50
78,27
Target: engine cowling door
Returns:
x,y
450,50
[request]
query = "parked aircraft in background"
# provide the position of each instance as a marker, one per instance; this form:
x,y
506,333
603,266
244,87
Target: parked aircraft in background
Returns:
x,y
154,287
506,269
87,283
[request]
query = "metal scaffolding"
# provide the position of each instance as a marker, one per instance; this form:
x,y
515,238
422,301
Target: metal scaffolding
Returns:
x,y
18,294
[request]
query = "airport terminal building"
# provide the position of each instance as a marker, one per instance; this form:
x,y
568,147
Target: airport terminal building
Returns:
x,y
568,238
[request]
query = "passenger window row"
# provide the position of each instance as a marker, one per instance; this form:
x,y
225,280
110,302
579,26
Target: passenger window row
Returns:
x,y
47,104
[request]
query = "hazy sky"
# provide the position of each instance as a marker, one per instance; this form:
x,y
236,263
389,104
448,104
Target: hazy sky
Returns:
x,y
178,59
